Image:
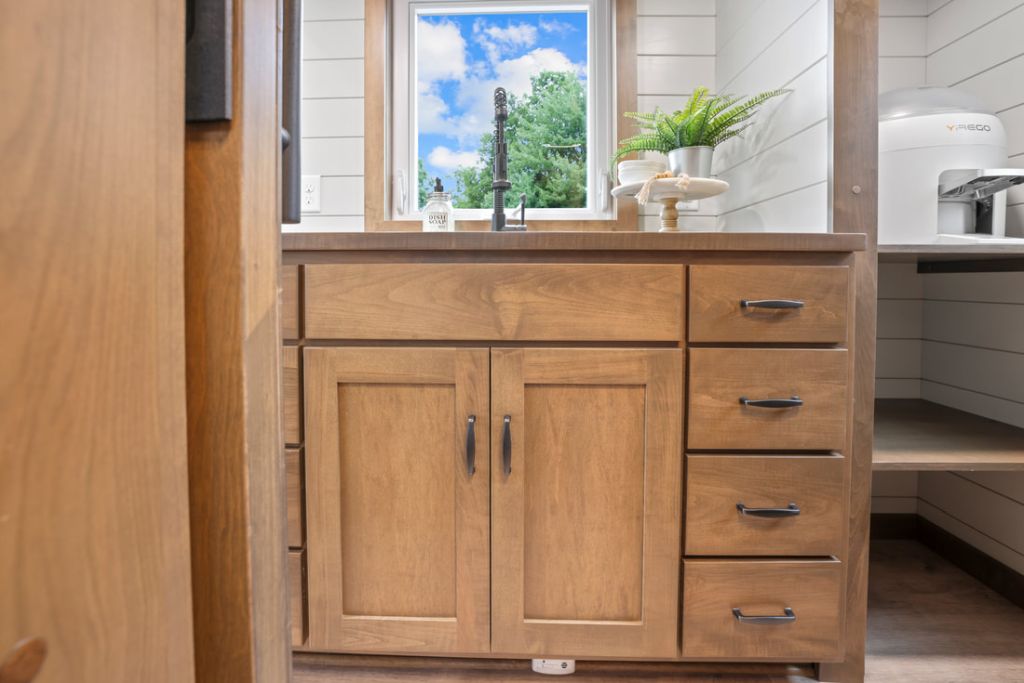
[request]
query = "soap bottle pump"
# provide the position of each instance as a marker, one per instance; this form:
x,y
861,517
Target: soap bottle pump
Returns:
x,y
438,213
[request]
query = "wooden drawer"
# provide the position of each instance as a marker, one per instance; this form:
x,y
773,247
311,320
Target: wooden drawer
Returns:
x,y
480,302
290,329
290,403
297,596
712,589
293,481
720,378
717,484
717,313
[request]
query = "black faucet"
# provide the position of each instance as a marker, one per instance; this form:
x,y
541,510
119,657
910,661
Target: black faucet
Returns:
x,y
501,183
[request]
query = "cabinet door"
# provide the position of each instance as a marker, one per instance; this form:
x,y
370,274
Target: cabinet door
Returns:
x,y
398,557
586,490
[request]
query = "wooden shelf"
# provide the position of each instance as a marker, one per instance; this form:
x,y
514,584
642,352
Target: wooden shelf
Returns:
x,y
911,434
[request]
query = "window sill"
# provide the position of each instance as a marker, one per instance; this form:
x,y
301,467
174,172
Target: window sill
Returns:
x,y
626,221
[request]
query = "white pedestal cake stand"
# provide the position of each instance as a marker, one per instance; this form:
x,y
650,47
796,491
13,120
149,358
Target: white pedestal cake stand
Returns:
x,y
666,192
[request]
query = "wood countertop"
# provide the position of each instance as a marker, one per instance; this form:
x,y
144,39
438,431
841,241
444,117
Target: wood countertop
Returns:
x,y
574,241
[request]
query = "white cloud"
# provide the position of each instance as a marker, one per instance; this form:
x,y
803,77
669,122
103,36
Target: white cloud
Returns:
x,y
498,41
433,111
440,51
556,26
448,160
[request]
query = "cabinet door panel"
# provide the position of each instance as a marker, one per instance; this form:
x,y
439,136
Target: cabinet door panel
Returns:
x,y
586,526
398,540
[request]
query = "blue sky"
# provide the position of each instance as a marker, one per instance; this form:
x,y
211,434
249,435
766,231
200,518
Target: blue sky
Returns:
x,y
461,58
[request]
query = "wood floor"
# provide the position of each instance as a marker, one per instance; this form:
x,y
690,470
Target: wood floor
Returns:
x,y
928,622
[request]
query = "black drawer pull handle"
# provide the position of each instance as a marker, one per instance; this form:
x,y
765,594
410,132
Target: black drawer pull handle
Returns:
x,y
471,445
771,303
791,402
788,618
506,446
791,511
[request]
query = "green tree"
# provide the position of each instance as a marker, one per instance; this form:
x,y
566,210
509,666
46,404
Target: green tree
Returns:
x,y
424,183
546,134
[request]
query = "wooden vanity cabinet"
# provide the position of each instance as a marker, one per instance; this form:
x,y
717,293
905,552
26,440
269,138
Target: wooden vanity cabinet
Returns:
x,y
585,501
398,513
571,449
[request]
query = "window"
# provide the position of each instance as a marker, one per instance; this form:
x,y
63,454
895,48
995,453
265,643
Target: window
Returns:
x,y
554,59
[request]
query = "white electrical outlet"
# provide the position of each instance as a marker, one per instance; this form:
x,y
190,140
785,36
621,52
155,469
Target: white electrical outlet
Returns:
x,y
554,667
310,194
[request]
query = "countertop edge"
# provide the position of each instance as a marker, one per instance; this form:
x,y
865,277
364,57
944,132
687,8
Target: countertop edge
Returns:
x,y
575,241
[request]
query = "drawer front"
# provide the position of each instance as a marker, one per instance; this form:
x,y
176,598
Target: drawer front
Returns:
x,y
713,589
768,487
721,379
290,303
297,596
293,481
813,302
481,302
290,402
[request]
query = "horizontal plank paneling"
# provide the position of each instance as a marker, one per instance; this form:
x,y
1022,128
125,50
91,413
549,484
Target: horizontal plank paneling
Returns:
x,y
996,516
898,358
901,72
986,287
955,19
676,7
902,37
332,78
902,8
761,29
340,117
978,539
897,388
318,10
996,373
900,319
341,196
333,156
992,407
673,75
992,326
666,35
332,39
805,210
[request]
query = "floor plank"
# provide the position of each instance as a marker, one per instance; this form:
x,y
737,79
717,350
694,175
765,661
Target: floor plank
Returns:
x,y
929,622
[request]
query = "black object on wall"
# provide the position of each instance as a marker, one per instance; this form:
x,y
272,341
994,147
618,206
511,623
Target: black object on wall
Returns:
x,y
291,94
208,60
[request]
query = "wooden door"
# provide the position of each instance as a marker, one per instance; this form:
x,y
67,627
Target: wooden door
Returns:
x,y
586,505
94,517
398,556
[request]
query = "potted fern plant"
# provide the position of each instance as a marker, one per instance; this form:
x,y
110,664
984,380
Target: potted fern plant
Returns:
x,y
688,136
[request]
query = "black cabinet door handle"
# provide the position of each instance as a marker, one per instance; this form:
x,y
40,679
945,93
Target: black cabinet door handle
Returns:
x,y
791,402
771,303
471,445
506,446
791,511
787,618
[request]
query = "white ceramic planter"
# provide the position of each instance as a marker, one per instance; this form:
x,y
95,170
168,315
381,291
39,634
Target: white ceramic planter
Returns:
x,y
692,161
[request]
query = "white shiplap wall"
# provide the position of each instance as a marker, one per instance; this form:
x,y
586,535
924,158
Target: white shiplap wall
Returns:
x,y
332,111
675,54
779,169
973,359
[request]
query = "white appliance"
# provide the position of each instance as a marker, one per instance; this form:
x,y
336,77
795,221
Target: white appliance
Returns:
x,y
941,169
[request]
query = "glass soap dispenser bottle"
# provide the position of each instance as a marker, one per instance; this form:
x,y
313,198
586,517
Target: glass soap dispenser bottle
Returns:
x,y
437,214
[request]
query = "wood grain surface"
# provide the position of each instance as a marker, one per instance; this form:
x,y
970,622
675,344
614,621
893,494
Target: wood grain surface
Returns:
x,y
720,377
571,302
717,316
811,588
715,484
585,529
94,535
397,527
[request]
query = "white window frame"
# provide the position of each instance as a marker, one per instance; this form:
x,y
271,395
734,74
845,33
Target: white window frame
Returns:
x,y
601,106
